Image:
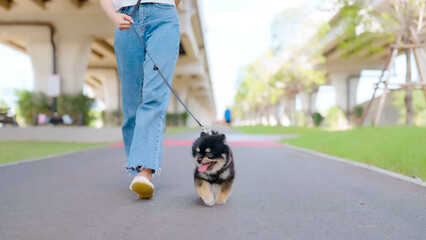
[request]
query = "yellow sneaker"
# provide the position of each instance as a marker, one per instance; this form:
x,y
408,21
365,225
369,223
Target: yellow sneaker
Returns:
x,y
142,186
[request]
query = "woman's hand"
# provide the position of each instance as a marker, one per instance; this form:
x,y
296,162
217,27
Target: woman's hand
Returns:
x,y
121,21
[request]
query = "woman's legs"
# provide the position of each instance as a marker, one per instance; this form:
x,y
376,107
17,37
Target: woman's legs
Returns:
x,y
130,59
159,27
146,172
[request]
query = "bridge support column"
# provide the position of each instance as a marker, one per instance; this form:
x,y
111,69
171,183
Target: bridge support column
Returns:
x,y
175,108
73,57
346,85
112,99
40,50
198,108
109,91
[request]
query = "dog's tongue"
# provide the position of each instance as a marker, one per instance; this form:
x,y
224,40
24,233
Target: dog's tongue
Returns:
x,y
203,167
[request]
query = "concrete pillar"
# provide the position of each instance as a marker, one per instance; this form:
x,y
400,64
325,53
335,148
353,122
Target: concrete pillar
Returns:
x,y
346,85
187,36
112,98
181,87
175,107
200,111
72,52
109,93
99,93
206,117
73,56
40,51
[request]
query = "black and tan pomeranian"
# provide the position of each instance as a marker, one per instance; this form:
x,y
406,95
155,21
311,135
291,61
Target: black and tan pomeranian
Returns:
x,y
214,165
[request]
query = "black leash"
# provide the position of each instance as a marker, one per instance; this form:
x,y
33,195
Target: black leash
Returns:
x,y
159,71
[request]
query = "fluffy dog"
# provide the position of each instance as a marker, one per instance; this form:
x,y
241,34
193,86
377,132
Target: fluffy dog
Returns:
x,y
214,165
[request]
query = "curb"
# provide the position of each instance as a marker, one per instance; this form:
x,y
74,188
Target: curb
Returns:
x,y
47,157
358,164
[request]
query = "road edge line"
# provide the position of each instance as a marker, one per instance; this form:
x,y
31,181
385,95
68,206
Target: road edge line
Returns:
x,y
47,157
359,164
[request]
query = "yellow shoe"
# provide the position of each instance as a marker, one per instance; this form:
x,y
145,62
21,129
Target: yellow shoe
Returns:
x,y
142,186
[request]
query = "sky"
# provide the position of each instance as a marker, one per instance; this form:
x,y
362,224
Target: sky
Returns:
x,y
15,73
236,33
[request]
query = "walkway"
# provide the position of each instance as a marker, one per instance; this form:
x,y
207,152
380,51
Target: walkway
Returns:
x,y
278,194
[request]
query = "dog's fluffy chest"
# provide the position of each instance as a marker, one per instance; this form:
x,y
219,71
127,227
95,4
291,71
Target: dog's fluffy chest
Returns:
x,y
222,176
225,174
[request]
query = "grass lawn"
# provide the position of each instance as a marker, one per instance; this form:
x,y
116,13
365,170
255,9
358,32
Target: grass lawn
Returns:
x,y
277,130
11,151
175,130
399,149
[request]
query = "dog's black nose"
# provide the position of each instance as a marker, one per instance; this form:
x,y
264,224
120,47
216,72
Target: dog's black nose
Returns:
x,y
199,160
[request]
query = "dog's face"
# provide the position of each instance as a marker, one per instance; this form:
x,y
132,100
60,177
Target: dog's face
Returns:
x,y
210,152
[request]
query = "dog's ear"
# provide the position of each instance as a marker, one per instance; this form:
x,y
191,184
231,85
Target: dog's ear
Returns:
x,y
203,134
222,137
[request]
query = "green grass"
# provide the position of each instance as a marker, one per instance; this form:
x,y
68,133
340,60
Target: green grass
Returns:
x,y
398,149
175,130
11,151
259,129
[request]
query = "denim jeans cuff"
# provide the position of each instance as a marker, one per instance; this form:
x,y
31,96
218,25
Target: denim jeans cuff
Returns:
x,y
136,170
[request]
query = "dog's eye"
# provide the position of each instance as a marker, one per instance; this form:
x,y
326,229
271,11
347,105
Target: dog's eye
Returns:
x,y
209,155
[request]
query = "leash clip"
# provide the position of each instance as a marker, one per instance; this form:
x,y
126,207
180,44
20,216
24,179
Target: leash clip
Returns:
x,y
204,130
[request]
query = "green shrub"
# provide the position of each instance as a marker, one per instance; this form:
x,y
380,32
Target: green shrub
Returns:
x,y
181,118
30,104
76,104
419,105
333,115
318,118
300,119
358,111
3,105
95,115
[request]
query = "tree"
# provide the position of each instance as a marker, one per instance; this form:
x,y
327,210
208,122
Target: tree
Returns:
x,y
3,105
254,92
396,21
419,105
299,79
276,75
30,104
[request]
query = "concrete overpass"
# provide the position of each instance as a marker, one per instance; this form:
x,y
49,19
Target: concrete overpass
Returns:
x,y
344,73
73,39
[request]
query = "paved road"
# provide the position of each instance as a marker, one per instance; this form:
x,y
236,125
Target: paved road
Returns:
x,y
61,133
278,194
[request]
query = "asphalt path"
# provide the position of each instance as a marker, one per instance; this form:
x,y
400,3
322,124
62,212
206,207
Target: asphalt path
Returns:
x,y
279,193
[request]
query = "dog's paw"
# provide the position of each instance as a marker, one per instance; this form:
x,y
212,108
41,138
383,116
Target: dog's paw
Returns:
x,y
220,201
209,202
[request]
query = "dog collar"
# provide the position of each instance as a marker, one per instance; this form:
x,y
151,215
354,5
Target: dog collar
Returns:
x,y
226,164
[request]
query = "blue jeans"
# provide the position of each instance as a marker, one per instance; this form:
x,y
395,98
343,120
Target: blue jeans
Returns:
x,y
145,96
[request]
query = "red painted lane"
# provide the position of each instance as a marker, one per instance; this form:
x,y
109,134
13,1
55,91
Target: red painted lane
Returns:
x,y
178,142
231,143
